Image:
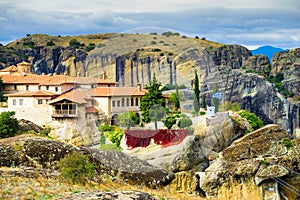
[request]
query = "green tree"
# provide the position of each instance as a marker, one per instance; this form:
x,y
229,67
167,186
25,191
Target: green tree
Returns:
x,y
215,101
196,93
203,101
113,133
128,119
9,125
253,120
152,97
177,102
169,120
185,122
156,113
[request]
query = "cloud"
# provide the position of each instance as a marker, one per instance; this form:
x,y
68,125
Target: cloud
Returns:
x,y
226,21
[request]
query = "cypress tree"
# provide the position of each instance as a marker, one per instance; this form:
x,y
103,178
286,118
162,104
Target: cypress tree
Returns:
x,y
196,93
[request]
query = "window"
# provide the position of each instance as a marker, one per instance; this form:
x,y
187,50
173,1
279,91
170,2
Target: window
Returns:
x,y
123,102
56,89
47,87
14,102
118,103
40,101
136,101
127,101
113,104
132,102
27,87
15,87
21,102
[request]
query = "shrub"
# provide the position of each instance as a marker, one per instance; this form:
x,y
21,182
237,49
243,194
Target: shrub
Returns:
x,y
169,120
76,167
253,120
113,133
153,42
185,122
50,43
9,125
191,130
74,43
45,131
287,143
202,113
156,50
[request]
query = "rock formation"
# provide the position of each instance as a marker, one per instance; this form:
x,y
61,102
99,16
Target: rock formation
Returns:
x,y
261,157
43,154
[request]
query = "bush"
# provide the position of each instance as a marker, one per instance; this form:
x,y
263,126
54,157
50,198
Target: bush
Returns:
x,y
202,113
169,120
76,167
113,133
287,143
153,42
74,43
50,43
253,120
185,122
45,131
9,125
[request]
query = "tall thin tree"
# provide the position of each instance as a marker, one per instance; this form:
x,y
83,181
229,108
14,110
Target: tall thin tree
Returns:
x,y
196,93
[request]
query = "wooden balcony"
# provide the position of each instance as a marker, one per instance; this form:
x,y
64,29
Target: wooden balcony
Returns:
x,y
65,113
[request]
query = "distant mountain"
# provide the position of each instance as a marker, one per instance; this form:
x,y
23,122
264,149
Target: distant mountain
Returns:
x,y
267,50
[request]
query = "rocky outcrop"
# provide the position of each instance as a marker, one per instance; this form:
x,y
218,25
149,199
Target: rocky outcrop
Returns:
x,y
256,157
257,63
130,169
43,153
26,125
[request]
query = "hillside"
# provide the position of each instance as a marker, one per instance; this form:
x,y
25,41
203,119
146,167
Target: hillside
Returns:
x,y
269,51
252,81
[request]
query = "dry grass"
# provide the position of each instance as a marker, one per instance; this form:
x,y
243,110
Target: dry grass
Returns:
x,y
43,188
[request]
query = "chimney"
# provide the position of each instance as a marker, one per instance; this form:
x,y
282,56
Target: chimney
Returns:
x,y
139,86
104,76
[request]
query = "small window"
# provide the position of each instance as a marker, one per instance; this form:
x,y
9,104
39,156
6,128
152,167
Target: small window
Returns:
x,y
15,87
56,89
123,102
127,101
21,102
40,101
14,102
132,102
118,103
27,87
47,87
136,101
113,104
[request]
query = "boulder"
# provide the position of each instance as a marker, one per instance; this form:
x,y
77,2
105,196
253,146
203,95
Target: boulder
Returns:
x,y
26,125
128,168
252,157
8,156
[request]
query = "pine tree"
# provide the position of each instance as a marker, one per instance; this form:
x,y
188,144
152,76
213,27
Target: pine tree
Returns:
x,y
196,93
152,102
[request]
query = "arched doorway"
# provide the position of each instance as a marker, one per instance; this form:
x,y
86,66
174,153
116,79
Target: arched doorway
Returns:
x,y
114,120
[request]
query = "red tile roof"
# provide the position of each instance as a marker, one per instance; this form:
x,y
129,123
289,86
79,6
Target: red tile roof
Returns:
x,y
10,69
39,93
78,95
51,80
91,109
116,91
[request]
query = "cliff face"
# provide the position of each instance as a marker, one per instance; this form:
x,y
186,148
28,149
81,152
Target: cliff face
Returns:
x,y
132,58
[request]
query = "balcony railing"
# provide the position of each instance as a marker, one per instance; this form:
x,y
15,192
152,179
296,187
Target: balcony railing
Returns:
x,y
65,113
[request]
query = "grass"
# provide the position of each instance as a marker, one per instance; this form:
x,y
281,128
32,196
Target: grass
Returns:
x,y
43,188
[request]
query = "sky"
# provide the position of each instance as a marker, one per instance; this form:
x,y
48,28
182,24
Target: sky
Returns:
x,y
249,23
